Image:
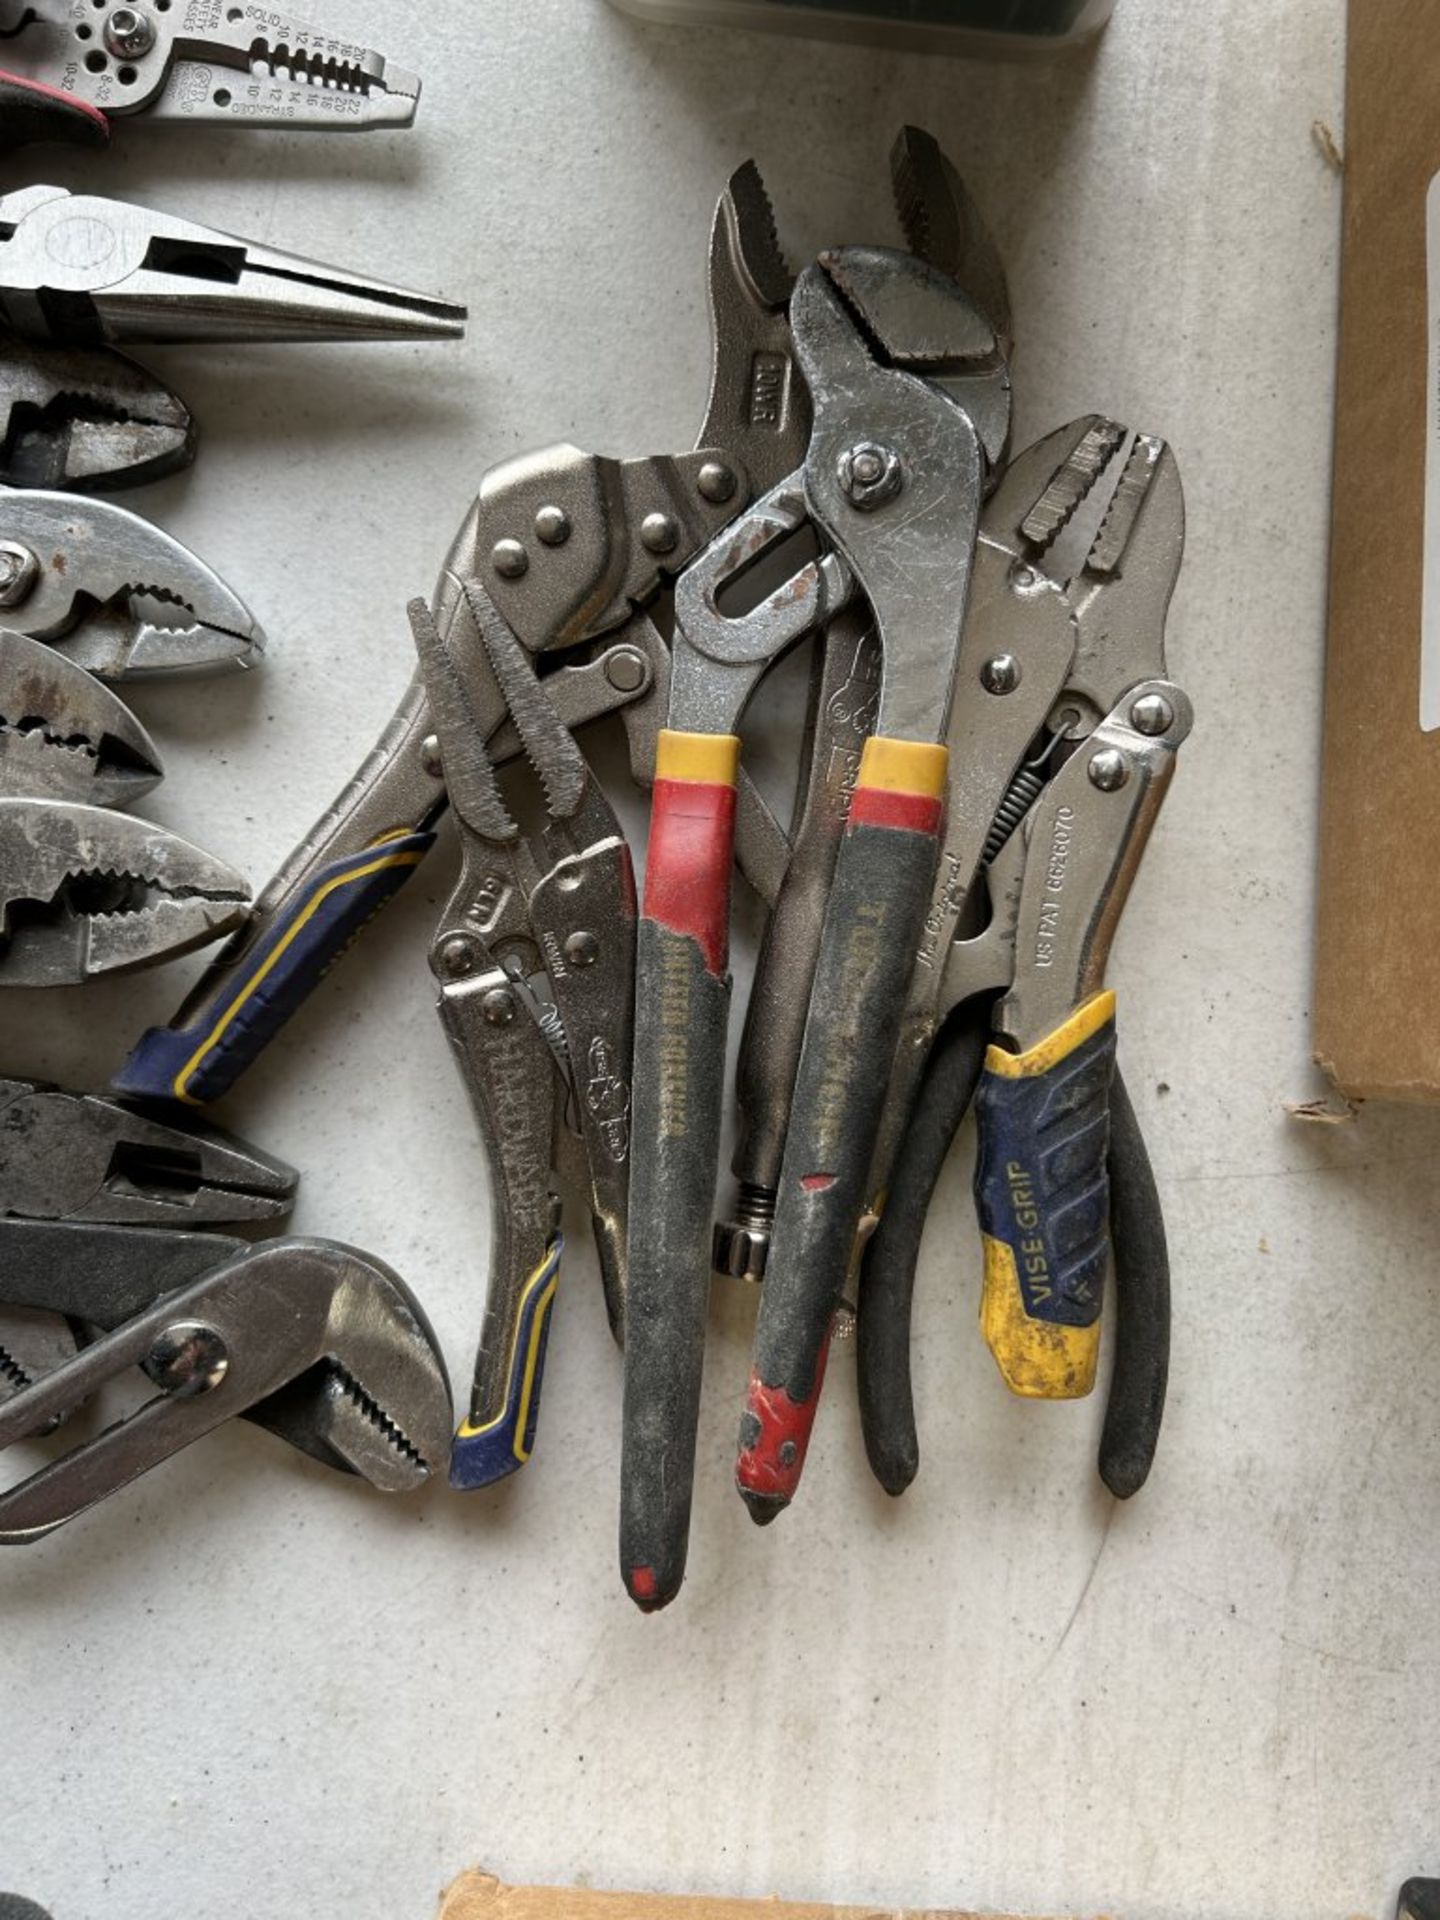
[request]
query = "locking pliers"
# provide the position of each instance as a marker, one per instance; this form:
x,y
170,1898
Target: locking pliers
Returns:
x,y
535,961
1058,862
568,546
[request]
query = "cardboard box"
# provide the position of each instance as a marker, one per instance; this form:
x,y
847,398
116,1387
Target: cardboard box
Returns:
x,y
1377,975
478,1896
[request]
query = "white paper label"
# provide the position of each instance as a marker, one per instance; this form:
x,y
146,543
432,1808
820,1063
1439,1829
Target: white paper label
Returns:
x,y
1430,608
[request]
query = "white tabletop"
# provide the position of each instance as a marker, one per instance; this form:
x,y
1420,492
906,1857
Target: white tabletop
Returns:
x,y
249,1687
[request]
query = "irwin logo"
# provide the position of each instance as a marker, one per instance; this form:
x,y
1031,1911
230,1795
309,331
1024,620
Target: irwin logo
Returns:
x,y
769,388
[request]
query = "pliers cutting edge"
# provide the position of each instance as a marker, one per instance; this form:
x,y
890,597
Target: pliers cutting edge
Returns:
x,y
88,1161
73,66
85,1157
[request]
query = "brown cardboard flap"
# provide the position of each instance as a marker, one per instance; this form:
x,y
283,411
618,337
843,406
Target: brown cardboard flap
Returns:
x,y
1377,975
477,1896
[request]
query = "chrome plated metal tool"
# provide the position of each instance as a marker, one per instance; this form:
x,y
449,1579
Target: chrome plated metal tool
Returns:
x,y
85,892
535,962
83,420
64,735
72,66
322,1344
114,593
81,270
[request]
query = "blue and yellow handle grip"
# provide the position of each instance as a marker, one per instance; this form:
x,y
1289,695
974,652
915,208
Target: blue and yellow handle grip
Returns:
x,y
1042,1190
490,1450
245,1002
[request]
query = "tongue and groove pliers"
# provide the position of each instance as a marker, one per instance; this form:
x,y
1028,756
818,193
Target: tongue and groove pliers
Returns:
x,y
941,225
70,66
892,485
321,1344
911,394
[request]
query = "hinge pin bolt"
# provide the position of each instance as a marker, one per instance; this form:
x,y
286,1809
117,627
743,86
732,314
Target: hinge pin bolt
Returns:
x,y
717,483
870,474
187,1360
510,560
1152,714
1000,675
1109,770
19,570
129,33
552,526
660,533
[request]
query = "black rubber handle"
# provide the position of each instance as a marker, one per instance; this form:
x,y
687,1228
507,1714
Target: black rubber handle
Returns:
x,y
883,881
845,693
682,1011
1141,1373
887,1281
30,113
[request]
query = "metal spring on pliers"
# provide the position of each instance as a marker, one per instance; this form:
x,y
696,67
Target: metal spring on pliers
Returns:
x,y
1025,789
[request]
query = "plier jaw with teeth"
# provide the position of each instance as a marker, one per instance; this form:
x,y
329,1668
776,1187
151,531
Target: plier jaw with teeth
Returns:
x,y
323,1345
114,593
64,735
534,959
85,893
1090,520
86,422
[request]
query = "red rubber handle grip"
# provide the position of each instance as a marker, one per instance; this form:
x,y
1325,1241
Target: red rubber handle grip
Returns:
x,y
692,843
